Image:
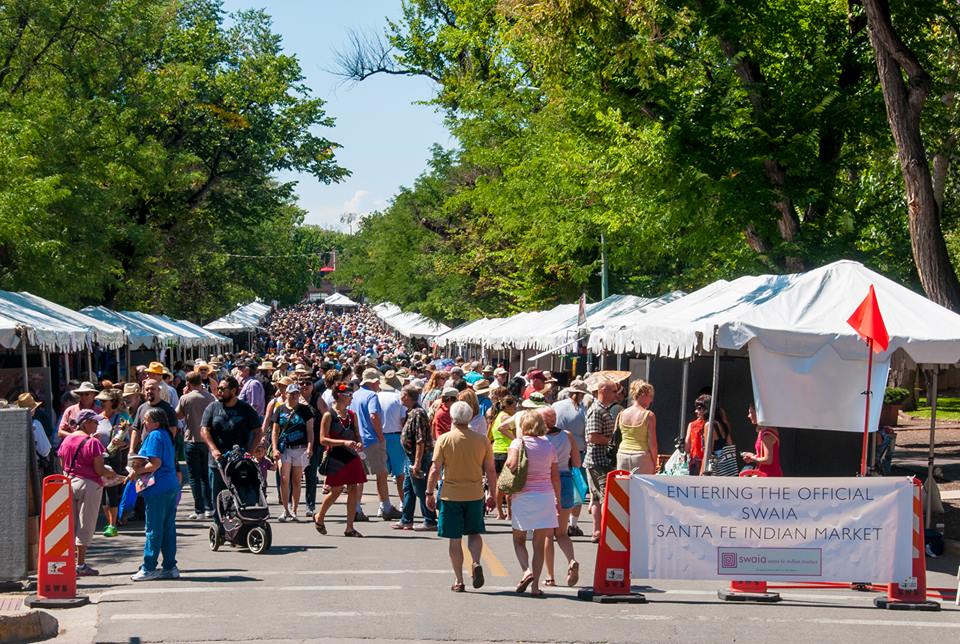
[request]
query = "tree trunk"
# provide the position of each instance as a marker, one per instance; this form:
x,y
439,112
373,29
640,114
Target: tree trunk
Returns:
x,y
904,105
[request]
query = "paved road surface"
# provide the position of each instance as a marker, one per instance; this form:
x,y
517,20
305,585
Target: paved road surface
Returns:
x,y
394,586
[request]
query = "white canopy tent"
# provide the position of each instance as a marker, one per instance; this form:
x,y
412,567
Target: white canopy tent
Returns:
x,y
52,327
341,300
245,319
408,325
139,335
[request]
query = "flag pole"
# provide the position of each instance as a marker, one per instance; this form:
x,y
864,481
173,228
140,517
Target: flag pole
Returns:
x,y
866,412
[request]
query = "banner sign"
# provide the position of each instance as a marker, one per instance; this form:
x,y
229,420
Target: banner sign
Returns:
x,y
768,529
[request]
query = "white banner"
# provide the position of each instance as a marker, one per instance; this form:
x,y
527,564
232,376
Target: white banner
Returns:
x,y
768,529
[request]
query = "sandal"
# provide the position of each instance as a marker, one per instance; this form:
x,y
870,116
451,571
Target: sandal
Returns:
x,y
537,593
477,576
525,583
595,538
458,588
402,526
352,533
573,573
549,581
322,529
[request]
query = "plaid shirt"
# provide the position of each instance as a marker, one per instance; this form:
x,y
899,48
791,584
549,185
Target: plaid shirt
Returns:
x,y
599,421
417,430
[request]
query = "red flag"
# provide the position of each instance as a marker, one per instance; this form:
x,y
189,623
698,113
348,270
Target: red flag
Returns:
x,y
868,322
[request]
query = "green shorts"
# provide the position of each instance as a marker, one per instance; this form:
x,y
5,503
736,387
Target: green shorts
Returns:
x,y
458,518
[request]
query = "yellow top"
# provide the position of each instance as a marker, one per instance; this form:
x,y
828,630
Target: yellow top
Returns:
x,y
462,455
635,437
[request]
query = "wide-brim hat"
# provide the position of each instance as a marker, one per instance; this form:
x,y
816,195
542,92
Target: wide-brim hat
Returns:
x,y
156,368
267,365
481,387
27,401
86,387
535,401
577,387
370,375
130,389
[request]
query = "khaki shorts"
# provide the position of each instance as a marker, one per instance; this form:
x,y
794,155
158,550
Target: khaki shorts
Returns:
x,y
639,461
376,462
86,508
597,480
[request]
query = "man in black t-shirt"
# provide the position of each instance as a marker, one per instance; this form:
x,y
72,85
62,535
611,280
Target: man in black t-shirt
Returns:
x,y
226,423
151,392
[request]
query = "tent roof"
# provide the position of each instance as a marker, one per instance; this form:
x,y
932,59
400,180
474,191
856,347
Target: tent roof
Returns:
x,y
409,325
244,319
460,334
339,299
795,315
9,338
210,338
56,328
164,325
140,336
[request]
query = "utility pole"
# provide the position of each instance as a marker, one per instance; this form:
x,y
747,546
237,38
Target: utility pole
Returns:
x,y
604,282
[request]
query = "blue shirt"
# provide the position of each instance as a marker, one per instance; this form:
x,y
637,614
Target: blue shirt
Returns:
x,y
159,444
365,402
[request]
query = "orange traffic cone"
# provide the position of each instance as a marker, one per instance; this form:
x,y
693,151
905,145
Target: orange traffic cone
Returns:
x,y
57,566
611,578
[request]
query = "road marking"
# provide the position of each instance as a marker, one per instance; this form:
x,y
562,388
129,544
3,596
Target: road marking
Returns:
x,y
493,563
354,613
131,617
883,622
219,588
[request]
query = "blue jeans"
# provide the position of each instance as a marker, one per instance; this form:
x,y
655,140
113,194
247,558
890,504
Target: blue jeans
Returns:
x,y
416,490
196,457
160,530
311,477
216,487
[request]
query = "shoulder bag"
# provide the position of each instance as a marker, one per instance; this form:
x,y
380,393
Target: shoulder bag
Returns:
x,y
512,482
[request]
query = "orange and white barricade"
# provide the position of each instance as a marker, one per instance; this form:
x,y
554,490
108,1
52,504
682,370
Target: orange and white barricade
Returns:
x,y
57,567
611,577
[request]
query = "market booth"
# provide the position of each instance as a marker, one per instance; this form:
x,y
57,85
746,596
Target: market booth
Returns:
x,y
242,324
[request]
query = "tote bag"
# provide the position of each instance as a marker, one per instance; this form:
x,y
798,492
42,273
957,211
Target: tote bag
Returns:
x,y
512,482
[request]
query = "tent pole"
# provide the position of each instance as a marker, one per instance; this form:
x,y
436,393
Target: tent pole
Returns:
x,y
128,360
116,354
66,367
619,362
932,394
90,365
683,399
603,359
708,435
23,357
45,361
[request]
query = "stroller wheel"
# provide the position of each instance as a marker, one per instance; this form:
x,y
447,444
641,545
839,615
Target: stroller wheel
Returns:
x,y
215,540
257,540
269,532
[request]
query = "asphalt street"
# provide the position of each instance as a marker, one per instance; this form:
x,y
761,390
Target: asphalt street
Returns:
x,y
394,586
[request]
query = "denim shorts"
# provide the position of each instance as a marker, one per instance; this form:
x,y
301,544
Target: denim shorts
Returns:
x,y
566,490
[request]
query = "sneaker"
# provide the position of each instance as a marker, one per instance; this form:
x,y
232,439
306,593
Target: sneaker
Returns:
x,y
173,573
426,527
143,575
574,531
360,516
309,512
86,570
390,515
208,514
193,516
293,517
283,517
110,531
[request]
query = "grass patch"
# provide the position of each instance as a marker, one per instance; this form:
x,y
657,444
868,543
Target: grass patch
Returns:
x,y
947,408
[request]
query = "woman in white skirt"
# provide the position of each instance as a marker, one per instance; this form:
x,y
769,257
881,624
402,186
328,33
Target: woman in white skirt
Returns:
x,y
535,506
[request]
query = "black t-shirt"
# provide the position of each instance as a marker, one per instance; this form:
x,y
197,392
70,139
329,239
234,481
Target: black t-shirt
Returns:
x,y
293,424
160,404
230,426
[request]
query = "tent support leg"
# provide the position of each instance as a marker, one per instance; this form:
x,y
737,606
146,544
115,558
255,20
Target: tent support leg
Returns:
x,y
90,366
23,358
127,359
116,355
66,368
932,393
619,362
683,399
603,360
45,361
708,435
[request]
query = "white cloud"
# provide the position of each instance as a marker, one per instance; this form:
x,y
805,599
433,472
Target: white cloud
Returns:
x,y
353,205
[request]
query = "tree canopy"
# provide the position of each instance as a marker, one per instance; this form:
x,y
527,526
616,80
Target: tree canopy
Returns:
x,y
138,144
704,139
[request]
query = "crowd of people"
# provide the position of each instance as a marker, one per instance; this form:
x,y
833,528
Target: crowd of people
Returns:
x,y
331,400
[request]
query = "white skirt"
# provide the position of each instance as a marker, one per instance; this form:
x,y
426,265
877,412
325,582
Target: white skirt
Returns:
x,y
533,510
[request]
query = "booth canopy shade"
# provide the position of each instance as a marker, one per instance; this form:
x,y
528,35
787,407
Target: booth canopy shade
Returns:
x,y
339,299
139,335
460,334
409,325
162,324
8,333
799,314
245,319
56,328
210,339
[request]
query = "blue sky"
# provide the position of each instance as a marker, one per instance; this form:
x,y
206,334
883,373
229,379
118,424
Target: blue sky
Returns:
x,y
386,138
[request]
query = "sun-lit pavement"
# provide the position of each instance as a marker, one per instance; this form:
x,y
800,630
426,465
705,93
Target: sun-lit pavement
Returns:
x,y
395,586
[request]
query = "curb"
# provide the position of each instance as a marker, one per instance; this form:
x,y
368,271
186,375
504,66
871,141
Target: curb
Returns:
x,y
27,626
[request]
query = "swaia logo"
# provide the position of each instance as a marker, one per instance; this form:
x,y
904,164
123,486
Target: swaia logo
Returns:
x,y
728,560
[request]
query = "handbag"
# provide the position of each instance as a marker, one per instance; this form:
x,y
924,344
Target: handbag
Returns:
x,y
512,482
580,488
725,461
677,464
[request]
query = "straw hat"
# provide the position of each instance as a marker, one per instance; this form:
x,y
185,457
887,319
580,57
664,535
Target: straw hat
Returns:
x,y
86,387
27,401
156,368
481,387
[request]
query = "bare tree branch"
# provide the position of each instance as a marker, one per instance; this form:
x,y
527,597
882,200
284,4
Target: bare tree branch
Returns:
x,y
367,54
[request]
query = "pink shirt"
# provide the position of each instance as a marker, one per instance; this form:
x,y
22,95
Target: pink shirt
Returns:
x,y
541,455
83,466
70,413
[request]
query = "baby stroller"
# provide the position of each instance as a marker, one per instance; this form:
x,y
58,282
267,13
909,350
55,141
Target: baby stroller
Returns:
x,y
242,511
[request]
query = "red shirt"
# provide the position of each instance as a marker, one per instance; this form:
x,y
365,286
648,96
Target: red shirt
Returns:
x,y
441,421
532,389
696,439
